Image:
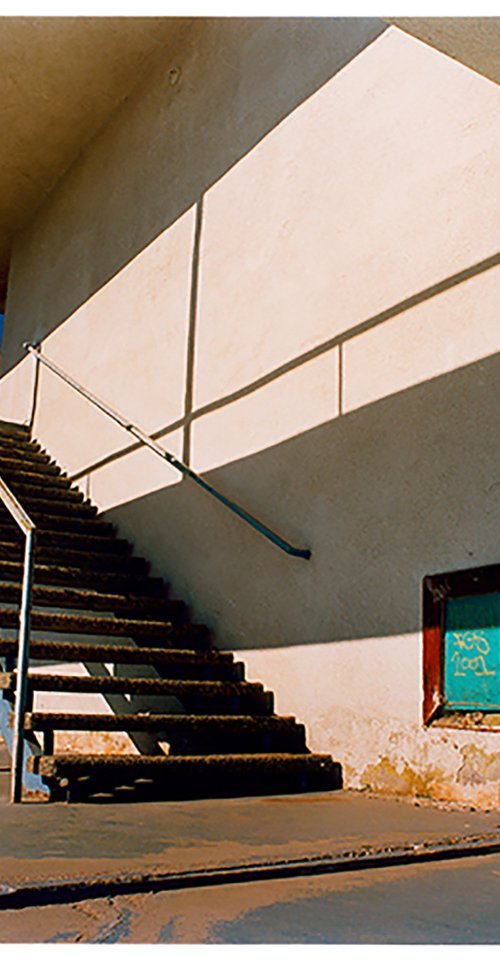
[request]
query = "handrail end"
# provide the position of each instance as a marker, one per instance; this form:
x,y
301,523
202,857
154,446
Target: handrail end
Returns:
x,y
297,552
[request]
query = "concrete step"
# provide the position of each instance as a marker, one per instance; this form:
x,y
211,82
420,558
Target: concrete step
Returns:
x,y
18,442
17,464
26,491
68,623
187,733
211,775
179,664
81,577
23,451
9,428
219,696
86,543
40,475
59,524
155,608
85,559
59,507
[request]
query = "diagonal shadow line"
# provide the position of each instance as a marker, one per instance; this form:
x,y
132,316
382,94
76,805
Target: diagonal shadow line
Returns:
x,y
337,341
347,335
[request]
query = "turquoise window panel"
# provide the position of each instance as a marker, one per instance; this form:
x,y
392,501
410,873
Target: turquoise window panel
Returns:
x,y
472,653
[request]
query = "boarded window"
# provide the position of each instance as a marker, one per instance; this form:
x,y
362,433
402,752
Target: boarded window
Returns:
x,y
462,647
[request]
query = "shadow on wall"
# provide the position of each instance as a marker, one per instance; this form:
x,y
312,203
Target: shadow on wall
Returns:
x,y
338,343
384,495
254,83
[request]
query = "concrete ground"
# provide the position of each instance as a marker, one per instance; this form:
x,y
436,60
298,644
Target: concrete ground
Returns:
x,y
258,870
447,903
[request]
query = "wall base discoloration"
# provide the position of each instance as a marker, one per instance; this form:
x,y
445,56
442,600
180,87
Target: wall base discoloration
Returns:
x,y
360,702
386,778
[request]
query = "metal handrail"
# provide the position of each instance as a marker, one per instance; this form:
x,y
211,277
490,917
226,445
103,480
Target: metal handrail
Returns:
x,y
28,528
169,457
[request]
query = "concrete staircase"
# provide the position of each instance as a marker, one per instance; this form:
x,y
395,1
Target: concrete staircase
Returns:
x,y
196,727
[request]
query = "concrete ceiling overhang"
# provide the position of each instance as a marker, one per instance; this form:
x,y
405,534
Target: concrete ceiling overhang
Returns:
x,y
473,41
62,77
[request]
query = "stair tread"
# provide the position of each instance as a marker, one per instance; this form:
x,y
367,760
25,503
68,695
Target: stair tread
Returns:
x,y
22,452
76,542
70,651
89,599
56,524
109,626
176,777
29,489
62,682
80,557
12,427
39,465
64,573
186,734
122,721
16,440
45,472
49,764
59,506
220,696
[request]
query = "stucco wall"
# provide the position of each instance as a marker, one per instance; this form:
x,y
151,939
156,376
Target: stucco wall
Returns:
x,y
281,257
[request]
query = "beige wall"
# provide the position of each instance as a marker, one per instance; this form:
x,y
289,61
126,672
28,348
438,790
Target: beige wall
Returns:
x,y
287,270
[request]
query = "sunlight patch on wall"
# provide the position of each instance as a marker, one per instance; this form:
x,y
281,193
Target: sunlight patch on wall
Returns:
x,y
378,674
127,344
378,186
134,475
297,401
16,392
457,328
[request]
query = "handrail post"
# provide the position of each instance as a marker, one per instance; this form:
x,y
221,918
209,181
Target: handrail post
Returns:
x,y
22,670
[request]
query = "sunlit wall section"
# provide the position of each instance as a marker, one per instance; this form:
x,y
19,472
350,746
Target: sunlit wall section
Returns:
x,y
374,207
128,345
